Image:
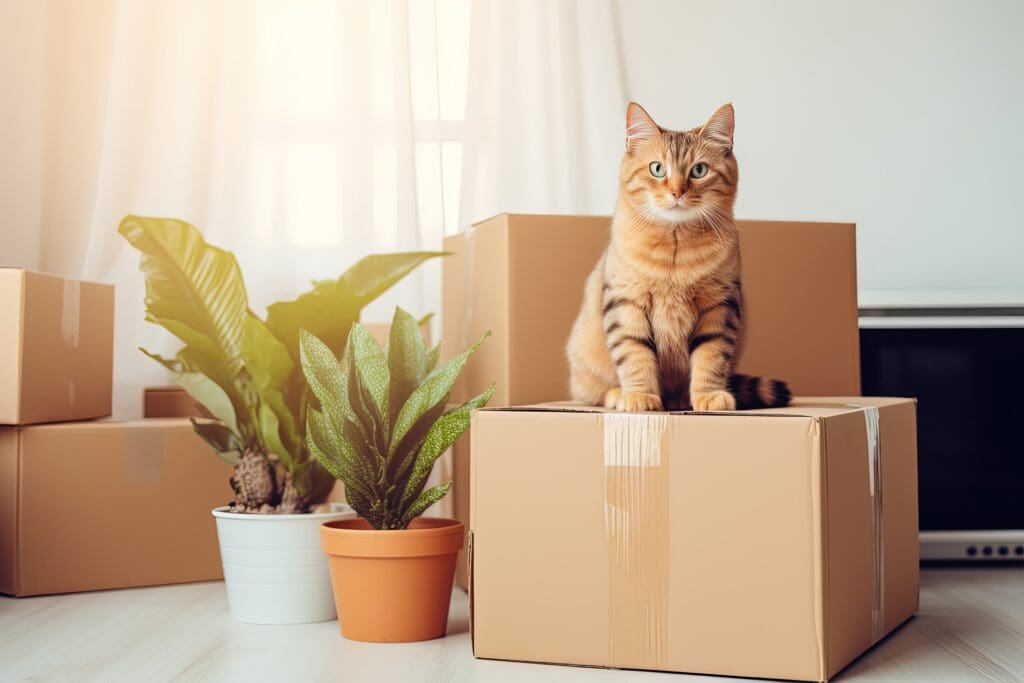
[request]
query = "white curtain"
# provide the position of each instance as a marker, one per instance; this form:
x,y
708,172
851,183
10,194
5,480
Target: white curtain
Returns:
x,y
301,135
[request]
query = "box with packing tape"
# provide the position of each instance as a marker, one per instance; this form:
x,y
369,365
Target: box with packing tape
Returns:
x,y
521,277
776,544
94,505
56,348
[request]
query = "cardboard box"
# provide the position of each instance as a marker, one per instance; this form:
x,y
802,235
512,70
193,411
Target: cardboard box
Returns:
x,y
170,401
56,348
95,505
522,277
741,544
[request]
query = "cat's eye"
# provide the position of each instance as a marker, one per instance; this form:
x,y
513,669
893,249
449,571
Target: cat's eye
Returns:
x,y
699,170
657,169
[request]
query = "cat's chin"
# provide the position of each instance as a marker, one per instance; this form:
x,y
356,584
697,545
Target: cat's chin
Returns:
x,y
677,215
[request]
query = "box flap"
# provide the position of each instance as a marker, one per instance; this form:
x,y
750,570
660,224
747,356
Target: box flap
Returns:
x,y
814,407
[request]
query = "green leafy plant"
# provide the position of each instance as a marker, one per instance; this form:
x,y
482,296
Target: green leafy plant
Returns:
x,y
383,418
246,370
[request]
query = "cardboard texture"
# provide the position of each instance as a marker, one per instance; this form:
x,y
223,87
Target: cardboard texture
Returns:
x,y
170,401
96,505
774,544
521,277
56,348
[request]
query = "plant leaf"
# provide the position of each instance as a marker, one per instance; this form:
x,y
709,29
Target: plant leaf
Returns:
x,y
336,469
219,437
322,370
407,359
190,282
329,309
271,433
433,355
371,365
265,357
172,364
426,499
312,480
375,274
441,436
211,395
335,454
432,391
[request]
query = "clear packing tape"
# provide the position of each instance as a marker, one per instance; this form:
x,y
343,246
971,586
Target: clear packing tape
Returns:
x,y
143,451
877,546
637,535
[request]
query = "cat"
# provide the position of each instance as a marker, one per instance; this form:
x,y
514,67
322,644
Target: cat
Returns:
x,y
661,322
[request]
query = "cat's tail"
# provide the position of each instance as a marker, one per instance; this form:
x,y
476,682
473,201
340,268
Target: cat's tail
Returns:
x,y
757,392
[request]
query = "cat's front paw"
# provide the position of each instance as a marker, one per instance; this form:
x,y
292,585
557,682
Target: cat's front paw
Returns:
x,y
611,399
635,401
713,401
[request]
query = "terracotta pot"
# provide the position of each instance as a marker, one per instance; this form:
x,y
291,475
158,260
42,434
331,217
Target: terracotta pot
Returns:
x,y
392,586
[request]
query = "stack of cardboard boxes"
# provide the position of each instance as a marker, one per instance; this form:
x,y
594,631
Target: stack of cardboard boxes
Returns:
x,y
748,544
774,543
88,503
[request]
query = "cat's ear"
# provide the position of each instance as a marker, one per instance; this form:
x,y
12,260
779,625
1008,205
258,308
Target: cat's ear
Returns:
x,y
720,126
639,126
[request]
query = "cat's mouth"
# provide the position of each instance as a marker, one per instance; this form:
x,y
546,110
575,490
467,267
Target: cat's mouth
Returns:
x,y
678,211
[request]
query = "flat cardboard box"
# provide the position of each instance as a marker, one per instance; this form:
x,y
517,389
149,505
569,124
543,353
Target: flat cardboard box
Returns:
x,y
740,544
170,401
521,277
56,348
97,505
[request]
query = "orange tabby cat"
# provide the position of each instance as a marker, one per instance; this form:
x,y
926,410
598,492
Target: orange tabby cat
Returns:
x,y
661,321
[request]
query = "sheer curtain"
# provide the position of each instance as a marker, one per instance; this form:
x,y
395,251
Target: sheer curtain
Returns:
x,y
300,135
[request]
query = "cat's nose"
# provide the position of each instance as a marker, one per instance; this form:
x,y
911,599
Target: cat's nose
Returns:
x,y
677,193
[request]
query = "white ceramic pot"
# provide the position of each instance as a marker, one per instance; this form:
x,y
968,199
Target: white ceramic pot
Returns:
x,y
274,568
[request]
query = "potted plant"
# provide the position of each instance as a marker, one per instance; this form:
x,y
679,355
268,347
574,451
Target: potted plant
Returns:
x,y
383,420
245,371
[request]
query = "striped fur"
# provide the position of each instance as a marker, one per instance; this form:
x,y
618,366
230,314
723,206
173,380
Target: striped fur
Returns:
x,y
662,317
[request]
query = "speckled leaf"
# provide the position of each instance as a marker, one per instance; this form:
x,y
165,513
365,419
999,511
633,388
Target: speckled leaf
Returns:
x,y
407,356
434,389
433,355
372,365
426,499
334,453
441,436
322,370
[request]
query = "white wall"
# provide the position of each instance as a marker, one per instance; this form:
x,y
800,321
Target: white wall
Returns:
x,y
905,117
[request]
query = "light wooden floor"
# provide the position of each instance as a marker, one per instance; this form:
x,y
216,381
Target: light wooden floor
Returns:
x,y
970,628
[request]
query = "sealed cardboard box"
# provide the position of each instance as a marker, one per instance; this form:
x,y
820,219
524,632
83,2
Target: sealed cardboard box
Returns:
x,y
95,505
56,348
521,277
741,544
170,401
